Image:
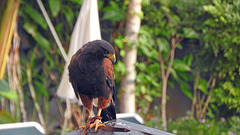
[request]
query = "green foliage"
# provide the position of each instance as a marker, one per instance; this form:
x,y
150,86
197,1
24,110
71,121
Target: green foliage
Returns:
x,y
119,67
41,40
219,54
211,27
36,16
180,65
41,53
119,70
5,117
228,93
11,95
6,92
234,122
44,56
188,126
203,86
190,33
114,11
148,82
55,6
4,85
154,43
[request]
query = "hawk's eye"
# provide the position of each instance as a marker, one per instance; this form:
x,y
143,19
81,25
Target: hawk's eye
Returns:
x,y
106,52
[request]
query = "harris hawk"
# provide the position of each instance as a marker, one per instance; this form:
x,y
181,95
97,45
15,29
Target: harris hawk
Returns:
x,y
92,77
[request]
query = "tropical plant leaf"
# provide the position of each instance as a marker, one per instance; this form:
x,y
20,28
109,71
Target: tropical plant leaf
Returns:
x,y
4,85
69,14
79,2
141,66
36,16
190,33
5,117
185,76
180,65
179,46
10,94
55,6
163,44
113,12
119,43
173,73
171,83
203,86
6,92
185,89
40,88
188,59
32,29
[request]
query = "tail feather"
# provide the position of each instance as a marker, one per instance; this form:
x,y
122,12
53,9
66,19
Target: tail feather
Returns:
x,y
108,113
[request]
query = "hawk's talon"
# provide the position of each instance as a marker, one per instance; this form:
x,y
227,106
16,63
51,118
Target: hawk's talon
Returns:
x,y
82,127
96,124
92,122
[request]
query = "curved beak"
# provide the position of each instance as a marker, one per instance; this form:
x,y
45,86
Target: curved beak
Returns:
x,y
112,57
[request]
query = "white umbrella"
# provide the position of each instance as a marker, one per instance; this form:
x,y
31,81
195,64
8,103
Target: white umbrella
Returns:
x,y
86,29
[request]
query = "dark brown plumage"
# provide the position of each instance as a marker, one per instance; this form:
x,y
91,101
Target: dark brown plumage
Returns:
x,y
92,77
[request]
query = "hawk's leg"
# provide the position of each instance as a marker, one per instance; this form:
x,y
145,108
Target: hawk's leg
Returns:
x,y
87,102
97,121
89,121
102,103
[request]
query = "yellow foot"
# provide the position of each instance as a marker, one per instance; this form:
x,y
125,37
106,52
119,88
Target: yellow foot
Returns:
x,y
82,127
89,121
86,127
96,124
92,122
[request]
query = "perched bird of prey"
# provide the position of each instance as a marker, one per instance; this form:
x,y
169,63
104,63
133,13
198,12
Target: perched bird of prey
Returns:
x,y
92,77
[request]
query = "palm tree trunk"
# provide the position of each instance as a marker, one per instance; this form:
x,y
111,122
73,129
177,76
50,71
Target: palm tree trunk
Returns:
x,y
127,98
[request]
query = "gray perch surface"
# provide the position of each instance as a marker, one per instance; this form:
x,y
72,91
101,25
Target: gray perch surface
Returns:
x,y
133,129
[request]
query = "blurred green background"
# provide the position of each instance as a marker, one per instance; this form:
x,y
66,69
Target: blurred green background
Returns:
x,y
204,79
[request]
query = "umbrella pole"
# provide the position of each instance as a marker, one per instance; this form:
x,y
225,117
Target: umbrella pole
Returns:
x,y
67,115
